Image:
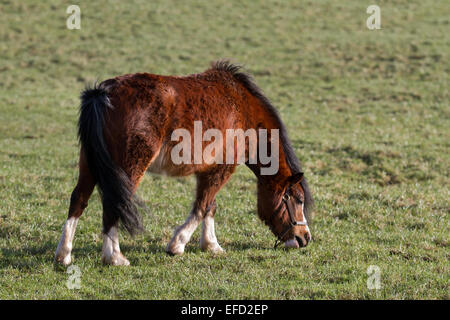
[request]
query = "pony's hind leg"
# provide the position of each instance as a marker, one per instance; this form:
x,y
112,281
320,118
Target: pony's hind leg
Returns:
x,y
135,167
78,202
111,250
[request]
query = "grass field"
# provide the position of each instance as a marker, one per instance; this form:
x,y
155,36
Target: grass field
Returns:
x,y
367,112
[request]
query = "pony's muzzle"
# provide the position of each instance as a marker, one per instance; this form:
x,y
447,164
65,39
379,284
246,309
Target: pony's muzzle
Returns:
x,y
299,241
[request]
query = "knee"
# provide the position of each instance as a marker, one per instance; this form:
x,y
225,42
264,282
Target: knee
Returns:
x,y
210,208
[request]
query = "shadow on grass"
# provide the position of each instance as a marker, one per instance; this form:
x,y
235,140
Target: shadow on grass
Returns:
x,y
29,257
242,246
152,247
34,257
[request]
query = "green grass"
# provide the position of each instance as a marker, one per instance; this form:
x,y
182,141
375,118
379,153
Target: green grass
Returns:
x,y
367,112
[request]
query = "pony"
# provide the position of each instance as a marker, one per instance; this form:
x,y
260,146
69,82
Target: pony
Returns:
x,y
126,127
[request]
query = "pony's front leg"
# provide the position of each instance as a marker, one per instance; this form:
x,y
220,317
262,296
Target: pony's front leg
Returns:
x,y
111,250
208,184
208,240
183,234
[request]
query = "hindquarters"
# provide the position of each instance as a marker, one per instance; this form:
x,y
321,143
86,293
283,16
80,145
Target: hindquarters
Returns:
x,y
114,184
119,138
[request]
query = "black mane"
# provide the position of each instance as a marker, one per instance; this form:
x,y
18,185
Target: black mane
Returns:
x,y
247,81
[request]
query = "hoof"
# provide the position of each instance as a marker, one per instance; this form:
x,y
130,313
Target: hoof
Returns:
x,y
63,260
117,259
63,256
175,250
213,248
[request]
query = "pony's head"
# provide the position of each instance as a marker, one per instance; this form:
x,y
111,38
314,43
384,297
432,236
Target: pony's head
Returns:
x,y
284,208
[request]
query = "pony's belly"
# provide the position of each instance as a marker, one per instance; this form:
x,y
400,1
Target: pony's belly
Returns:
x,y
179,170
163,164
160,163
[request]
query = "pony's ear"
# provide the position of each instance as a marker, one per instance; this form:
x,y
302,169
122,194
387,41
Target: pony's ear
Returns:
x,y
295,178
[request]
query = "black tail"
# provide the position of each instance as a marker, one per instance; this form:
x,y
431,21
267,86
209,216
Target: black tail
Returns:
x,y
114,185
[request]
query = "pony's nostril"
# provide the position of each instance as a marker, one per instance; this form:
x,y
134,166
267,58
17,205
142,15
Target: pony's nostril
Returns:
x,y
307,237
300,242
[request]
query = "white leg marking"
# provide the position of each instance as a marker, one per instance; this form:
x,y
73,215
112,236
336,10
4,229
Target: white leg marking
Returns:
x,y
111,251
183,234
64,248
208,241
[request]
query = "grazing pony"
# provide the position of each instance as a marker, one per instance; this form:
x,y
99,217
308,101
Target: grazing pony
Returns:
x,y
126,127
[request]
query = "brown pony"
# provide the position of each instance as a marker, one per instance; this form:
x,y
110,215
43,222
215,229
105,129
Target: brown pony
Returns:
x,y
126,127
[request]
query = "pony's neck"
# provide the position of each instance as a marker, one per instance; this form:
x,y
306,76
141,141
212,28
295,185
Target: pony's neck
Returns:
x,y
270,187
270,122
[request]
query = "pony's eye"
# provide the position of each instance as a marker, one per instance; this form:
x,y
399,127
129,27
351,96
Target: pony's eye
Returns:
x,y
299,199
